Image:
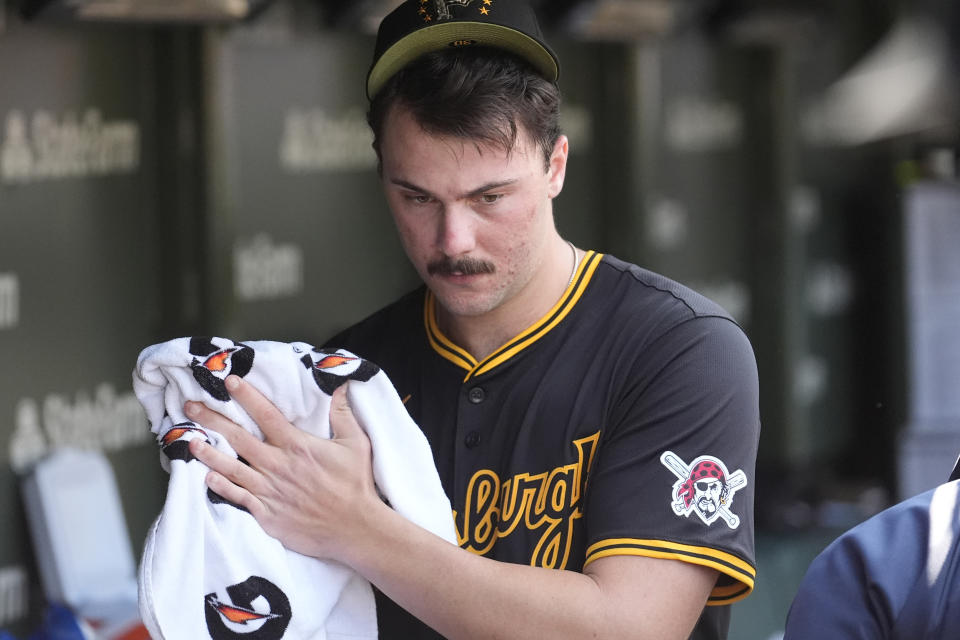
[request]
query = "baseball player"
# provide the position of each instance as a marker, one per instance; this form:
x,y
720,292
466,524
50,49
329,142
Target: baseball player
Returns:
x,y
594,424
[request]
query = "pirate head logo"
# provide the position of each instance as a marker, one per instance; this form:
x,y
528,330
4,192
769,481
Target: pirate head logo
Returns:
x,y
332,367
704,487
175,443
442,8
213,362
256,609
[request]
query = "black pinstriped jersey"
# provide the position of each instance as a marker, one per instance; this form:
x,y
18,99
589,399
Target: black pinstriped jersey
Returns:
x,y
623,422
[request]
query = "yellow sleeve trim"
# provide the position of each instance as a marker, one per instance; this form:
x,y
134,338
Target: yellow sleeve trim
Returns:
x,y
727,564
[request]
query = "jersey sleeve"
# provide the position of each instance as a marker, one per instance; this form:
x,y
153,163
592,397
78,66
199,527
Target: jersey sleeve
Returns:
x,y
893,576
839,595
674,477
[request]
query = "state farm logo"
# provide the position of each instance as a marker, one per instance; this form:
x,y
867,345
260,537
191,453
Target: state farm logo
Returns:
x,y
265,270
44,146
315,139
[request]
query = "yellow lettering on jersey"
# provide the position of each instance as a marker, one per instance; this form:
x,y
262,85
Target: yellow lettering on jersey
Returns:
x,y
548,503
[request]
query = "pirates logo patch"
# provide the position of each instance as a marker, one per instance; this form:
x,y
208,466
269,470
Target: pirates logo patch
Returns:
x,y
704,487
256,609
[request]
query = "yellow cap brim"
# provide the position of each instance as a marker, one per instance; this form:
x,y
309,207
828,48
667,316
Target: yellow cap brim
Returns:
x,y
460,34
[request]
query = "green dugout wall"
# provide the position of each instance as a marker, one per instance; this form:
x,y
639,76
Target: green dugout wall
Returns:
x,y
78,266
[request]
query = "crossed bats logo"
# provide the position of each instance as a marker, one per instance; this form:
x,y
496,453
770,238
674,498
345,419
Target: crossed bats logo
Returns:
x,y
217,363
257,610
704,487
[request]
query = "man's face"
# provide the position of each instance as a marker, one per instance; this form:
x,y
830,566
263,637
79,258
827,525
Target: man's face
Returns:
x,y
474,220
708,495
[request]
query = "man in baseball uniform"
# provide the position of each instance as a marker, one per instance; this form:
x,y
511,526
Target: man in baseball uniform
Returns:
x,y
594,424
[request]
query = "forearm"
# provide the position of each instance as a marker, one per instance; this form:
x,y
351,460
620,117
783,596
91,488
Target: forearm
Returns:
x,y
317,496
463,595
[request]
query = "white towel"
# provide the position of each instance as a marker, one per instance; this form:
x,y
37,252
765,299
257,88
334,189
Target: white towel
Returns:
x,y
208,568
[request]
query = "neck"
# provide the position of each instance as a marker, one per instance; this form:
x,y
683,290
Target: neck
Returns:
x,y
482,335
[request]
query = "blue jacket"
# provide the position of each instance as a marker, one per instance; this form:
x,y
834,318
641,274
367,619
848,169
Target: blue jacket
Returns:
x,y
895,576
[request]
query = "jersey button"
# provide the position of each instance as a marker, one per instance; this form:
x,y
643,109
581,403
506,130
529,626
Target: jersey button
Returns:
x,y
476,395
472,439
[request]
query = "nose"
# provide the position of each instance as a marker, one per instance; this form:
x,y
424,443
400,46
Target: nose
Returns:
x,y
456,233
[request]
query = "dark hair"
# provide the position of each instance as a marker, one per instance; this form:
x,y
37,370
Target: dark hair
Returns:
x,y
480,94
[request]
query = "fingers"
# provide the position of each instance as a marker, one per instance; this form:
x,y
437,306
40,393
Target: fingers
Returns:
x,y
242,441
343,423
296,483
228,476
235,494
220,463
275,427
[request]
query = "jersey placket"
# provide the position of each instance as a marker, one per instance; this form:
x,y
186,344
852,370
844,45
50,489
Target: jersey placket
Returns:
x,y
472,429
478,405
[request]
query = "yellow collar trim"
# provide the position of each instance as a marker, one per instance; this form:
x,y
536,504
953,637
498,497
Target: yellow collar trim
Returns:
x,y
460,357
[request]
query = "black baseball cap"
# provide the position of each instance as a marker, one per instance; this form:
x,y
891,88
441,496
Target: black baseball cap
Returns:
x,y
417,27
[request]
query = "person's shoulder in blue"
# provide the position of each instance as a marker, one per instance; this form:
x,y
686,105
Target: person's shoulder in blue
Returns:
x,y
895,576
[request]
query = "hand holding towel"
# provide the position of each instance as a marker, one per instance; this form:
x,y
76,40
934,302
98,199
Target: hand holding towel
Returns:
x,y
208,568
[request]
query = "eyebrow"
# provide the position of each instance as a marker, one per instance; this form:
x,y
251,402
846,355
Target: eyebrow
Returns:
x,y
470,194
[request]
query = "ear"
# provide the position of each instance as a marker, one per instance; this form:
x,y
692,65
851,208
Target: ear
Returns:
x,y
558,166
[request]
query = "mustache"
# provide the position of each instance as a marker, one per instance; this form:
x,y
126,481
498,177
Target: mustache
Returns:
x,y
465,266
